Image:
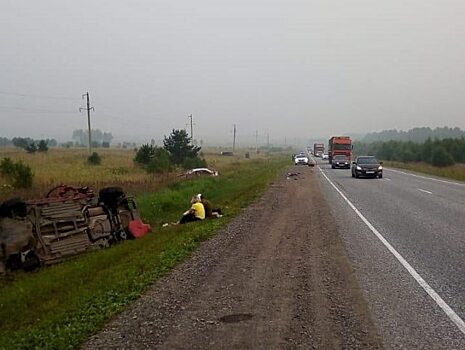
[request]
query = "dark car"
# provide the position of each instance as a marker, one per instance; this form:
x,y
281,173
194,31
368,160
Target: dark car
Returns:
x,y
340,161
367,166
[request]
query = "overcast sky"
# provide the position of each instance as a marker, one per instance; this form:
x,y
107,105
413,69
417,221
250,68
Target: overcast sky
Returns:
x,y
288,68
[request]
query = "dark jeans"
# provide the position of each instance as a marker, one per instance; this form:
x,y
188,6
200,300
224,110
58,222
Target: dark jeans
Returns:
x,y
189,218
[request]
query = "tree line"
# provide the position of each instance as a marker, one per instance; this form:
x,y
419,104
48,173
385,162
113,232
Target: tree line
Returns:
x,y
415,135
438,152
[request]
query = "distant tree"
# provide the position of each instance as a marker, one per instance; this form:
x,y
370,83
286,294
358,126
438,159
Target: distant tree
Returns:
x,y
179,146
441,157
22,142
42,146
81,137
5,141
31,148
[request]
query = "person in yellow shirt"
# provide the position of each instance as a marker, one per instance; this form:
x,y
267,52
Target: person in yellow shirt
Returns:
x,y
195,213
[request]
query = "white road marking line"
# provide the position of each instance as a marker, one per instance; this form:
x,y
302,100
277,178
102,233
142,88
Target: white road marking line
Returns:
x,y
429,192
388,179
431,292
426,177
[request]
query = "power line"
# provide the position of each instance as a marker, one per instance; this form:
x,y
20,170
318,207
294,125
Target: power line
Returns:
x,y
38,96
37,110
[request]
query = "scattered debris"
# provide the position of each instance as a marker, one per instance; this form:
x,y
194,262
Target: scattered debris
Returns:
x,y
292,175
200,172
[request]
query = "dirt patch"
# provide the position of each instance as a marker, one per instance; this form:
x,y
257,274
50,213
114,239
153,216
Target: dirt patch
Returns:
x,y
276,277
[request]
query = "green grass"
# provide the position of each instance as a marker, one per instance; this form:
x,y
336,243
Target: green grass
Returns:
x,y
455,172
61,306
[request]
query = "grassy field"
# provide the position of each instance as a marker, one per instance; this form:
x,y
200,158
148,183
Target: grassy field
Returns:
x,y
456,172
61,306
70,167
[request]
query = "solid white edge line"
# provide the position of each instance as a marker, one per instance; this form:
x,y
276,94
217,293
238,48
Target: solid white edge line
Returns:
x,y
431,292
422,190
425,177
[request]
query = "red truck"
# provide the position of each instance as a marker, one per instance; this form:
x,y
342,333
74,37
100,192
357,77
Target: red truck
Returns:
x,y
339,145
318,149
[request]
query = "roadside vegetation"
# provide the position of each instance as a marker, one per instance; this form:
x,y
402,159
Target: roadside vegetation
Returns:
x,y
444,157
61,306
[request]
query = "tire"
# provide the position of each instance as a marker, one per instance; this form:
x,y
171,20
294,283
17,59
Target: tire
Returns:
x,y
357,175
14,207
333,167
380,176
353,175
110,196
31,262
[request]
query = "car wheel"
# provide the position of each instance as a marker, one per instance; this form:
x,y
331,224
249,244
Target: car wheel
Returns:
x,y
333,167
356,175
380,176
353,174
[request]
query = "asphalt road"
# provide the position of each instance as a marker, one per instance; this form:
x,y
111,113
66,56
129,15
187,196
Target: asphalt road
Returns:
x,y
423,218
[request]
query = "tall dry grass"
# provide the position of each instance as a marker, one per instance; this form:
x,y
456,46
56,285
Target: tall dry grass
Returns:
x,y
69,166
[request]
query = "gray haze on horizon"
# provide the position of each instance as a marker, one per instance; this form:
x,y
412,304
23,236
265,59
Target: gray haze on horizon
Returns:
x,y
293,69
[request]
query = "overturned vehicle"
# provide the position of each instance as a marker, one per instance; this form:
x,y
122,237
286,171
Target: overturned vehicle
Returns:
x,y
67,222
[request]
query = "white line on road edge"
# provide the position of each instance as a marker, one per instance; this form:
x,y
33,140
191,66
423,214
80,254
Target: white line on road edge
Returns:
x,y
429,192
426,177
431,292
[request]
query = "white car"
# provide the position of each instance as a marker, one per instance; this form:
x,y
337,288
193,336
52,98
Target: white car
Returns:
x,y
301,160
324,156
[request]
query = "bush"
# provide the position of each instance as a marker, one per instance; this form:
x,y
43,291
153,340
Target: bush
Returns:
x,y
31,148
42,146
7,167
190,163
94,159
145,154
19,174
441,157
160,163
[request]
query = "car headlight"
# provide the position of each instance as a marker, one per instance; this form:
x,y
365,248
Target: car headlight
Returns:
x,y
337,163
358,168
380,167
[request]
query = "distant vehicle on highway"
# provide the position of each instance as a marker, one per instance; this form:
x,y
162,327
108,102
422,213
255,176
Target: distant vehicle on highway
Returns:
x,y
340,161
367,166
339,145
301,159
324,156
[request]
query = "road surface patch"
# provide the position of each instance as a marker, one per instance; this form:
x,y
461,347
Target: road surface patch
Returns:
x,y
427,177
451,314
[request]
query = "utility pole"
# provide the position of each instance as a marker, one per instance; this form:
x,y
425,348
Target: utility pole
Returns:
x,y
268,141
234,139
88,109
256,141
192,128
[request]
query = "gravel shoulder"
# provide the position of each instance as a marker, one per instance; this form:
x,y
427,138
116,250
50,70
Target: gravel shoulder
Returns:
x,y
277,277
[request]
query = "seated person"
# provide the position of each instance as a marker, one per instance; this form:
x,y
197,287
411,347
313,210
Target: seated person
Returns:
x,y
195,213
209,211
